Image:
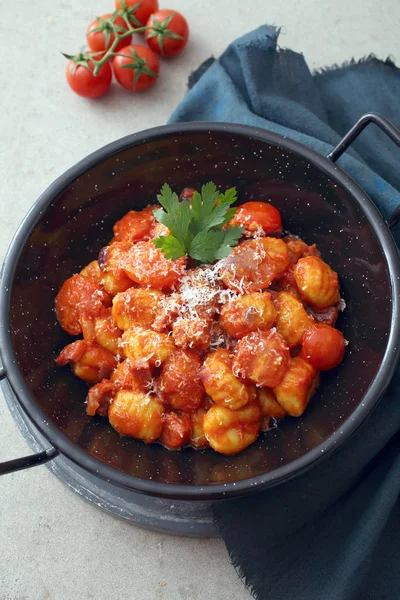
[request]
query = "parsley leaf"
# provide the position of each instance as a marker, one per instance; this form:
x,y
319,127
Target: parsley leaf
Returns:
x,y
171,247
205,244
196,226
176,217
231,237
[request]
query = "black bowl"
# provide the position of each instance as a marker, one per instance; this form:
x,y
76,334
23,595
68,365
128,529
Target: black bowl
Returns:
x,y
73,220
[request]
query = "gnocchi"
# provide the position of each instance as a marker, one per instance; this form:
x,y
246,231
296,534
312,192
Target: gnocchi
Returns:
x,y
192,334
250,312
297,386
270,407
137,415
231,431
198,438
318,284
136,307
146,345
207,356
220,382
292,319
92,271
107,334
89,362
111,264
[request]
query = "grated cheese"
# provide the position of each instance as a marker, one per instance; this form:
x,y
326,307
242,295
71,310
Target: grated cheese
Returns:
x,y
199,290
151,388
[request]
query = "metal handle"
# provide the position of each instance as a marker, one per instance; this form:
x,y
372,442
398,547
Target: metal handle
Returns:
x,y
26,462
387,127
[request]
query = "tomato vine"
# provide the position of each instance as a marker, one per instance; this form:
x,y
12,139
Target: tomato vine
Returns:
x,y
111,28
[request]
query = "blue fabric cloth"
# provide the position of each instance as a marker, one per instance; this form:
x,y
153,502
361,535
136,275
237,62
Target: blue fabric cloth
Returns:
x,y
334,532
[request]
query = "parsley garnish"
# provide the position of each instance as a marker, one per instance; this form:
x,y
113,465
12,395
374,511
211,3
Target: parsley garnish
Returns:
x,y
196,226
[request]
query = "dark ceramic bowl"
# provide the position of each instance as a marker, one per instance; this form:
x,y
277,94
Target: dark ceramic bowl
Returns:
x,y
73,220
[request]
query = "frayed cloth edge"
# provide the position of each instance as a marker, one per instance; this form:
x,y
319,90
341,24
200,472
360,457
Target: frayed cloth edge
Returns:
x,y
370,58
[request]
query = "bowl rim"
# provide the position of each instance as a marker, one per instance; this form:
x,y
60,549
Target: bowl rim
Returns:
x,y
182,491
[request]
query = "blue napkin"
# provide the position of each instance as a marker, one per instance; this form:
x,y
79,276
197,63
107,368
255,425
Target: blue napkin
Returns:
x,y
334,532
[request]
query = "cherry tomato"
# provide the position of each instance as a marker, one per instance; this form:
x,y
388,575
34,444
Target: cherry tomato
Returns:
x,y
262,358
136,68
79,300
256,216
135,226
180,384
101,33
168,32
81,80
145,264
323,347
137,12
248,268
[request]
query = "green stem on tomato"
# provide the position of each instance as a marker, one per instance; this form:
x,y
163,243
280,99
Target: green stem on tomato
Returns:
x,y
110,52
118,36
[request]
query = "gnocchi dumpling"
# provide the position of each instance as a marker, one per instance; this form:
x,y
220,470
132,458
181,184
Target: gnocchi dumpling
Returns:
x,y
292,319
192,334
270,407
231,431
248,313
89,362
221,384
278,251
136,307
317,282
107,334
137,415
92,271
146,345
297,386
135,226
112,262
198,438
79,301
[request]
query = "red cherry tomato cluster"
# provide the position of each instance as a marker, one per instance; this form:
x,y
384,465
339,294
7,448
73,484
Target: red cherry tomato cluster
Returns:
x,y
136,67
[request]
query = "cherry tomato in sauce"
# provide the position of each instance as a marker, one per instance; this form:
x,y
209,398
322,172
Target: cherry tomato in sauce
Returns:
x,y
258,217
145,264
262,358
323,346
248,268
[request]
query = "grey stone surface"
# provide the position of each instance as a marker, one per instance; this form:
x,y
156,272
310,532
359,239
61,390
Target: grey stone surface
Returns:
x,y
54,546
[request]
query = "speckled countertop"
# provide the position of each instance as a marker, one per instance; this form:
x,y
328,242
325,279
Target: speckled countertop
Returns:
x,y
54,546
